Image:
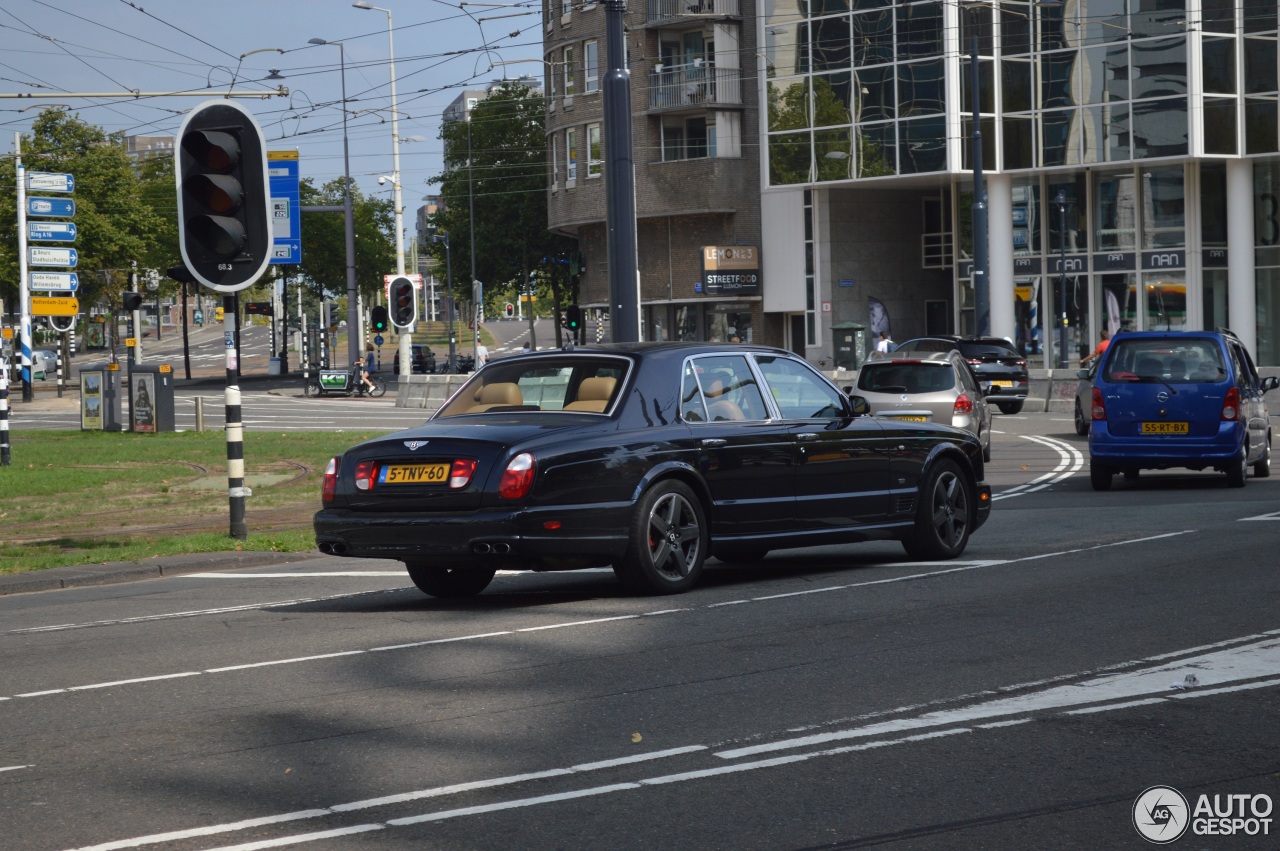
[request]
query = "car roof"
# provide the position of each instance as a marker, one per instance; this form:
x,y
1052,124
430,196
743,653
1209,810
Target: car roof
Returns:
x,y
946,357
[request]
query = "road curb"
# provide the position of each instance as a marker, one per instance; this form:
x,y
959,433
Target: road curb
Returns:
x,y
81,576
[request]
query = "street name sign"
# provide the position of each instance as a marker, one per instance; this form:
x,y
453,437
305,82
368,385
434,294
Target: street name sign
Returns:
x,y
51,231
54,306
53,257
47,181
55,281
58,208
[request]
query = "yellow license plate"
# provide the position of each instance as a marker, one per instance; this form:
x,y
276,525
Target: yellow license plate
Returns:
x,y
1166,428
910,419
414,474
1002,383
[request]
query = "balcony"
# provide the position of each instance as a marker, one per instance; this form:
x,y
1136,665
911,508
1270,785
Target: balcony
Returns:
x,y
674,12
693,88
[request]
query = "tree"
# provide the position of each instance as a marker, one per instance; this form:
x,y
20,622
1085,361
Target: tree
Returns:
x,y
498,161
324,240
116,222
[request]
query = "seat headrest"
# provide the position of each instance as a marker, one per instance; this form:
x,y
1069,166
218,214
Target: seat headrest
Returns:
x,y
597,389
502,393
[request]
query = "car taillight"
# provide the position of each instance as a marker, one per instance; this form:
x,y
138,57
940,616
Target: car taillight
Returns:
x,y
366,475
517,478
330,485
1231,405
1099,411
461,471
964,405
975,361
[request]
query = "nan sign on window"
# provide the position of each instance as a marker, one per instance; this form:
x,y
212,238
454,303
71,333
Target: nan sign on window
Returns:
x,y
730,270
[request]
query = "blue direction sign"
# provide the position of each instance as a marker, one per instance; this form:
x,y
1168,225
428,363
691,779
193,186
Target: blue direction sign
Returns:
x,y
53,257
286,208
51,231
58,208
63,282
48,181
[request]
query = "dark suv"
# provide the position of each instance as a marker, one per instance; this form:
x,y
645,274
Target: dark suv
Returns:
x,y
424,360
999,368
1166,399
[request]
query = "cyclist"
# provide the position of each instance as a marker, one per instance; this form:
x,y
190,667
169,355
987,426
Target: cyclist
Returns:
x,y
367,368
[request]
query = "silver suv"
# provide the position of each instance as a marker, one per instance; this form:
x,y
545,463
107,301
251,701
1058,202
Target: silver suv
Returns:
x,y
927,387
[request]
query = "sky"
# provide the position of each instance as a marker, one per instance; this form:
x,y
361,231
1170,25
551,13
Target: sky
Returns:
x,y
50,48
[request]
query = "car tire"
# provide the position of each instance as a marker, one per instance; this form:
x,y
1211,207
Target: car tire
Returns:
x,y
1009,407
741,553
1100,476
944,515
1262,468
450,581
1238,471
1082,425
668,541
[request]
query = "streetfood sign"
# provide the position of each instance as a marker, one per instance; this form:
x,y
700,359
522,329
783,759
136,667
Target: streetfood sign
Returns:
x,y
731,270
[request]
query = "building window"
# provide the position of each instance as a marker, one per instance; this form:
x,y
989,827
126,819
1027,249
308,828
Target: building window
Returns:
x,y
551,83
591,67
688,138
568,73
571,156
566,9
555,162
595,159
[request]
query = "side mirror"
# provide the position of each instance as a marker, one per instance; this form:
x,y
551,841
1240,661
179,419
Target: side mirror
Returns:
x,y
1083,374
1270,383
860,406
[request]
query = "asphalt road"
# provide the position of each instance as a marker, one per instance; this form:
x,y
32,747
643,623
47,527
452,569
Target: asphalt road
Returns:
x,y
841,697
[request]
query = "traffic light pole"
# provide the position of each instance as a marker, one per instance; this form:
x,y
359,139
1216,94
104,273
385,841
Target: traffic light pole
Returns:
x,y
236,491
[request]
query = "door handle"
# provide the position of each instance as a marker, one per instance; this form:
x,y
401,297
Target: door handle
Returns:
x,y
807,435
711,442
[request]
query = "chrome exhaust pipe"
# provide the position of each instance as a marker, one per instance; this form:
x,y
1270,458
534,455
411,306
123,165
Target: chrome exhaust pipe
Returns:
x,y
501,549
482,549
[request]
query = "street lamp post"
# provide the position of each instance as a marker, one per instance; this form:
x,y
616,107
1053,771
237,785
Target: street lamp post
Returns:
x,y
1061,201
448,265
981,263
406,340
353,299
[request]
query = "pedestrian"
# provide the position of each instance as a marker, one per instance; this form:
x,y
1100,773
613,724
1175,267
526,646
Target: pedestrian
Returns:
x,y
884,344
1103,342
482,355
526,349
368,365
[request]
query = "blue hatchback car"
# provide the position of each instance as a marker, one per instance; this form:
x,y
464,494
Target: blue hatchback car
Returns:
x,y
1192,399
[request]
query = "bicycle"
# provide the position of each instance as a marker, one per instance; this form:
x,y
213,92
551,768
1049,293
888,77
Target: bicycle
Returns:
x,y
344,382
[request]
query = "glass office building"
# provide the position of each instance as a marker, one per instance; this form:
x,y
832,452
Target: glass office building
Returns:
x,y
1130,149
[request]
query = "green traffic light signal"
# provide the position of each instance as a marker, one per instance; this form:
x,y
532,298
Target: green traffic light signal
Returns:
x,y
378,318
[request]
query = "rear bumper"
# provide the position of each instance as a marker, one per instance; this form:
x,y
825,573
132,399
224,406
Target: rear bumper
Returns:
x,y
513,536
1160,452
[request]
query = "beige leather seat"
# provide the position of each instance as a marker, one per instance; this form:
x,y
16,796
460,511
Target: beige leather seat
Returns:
x,y
718,406
593,395
496,395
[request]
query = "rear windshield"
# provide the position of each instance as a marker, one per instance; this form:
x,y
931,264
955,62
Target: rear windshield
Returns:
x,y
895,377
927,345
1192,360
588,385
992,349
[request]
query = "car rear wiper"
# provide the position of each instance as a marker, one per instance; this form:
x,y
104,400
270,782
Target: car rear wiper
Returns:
x,y
1172,391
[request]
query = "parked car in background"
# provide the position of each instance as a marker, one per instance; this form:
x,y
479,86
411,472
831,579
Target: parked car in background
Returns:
x,y
933,387
1084,397
44,364
998,366
424,360
1164,399
649,457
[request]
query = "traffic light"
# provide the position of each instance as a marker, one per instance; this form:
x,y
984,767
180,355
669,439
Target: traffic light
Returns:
x,y
378,318
62,324
224,215
131,301
573,317
404,307
510,310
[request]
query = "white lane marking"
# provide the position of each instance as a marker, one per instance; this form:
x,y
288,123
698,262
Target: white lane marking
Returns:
x,y
996,725
1248,662
439,641
306,837
909,578
231,827
311,575
135,680
1275,515
1092,710
510,805
189,614
13,767
1071,461
1208,692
